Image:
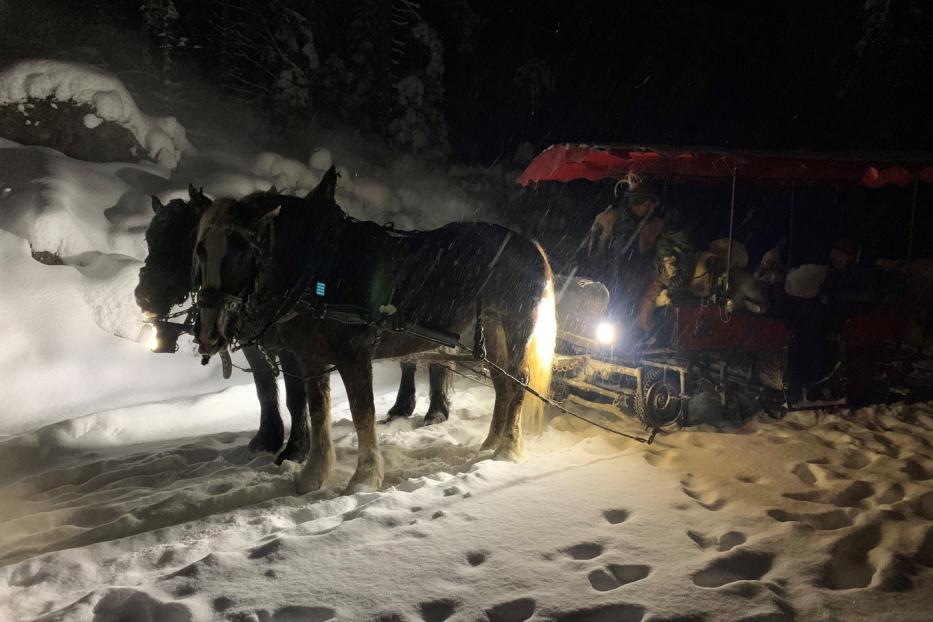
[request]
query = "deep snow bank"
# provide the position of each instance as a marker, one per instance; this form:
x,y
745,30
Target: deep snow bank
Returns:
x,y
56,362
163,138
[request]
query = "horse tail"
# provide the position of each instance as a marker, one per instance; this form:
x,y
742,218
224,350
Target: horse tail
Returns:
x,y
539,355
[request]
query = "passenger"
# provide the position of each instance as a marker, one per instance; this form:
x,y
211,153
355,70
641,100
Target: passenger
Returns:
x,y
850,288
618,251
771,276
674,260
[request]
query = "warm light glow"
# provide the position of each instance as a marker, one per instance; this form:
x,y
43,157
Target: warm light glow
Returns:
x,y
605,333
151,337
546,326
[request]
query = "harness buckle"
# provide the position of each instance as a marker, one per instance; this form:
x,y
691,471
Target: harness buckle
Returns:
x,y
232,304
209,298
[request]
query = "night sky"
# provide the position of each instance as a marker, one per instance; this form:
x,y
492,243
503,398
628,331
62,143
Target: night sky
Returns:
x,y
767,75
828,75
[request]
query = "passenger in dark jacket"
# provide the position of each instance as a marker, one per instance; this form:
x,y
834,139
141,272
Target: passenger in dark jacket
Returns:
x,y
849,288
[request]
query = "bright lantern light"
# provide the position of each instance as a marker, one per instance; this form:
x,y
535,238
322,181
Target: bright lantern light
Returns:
x,y
605,333
151,337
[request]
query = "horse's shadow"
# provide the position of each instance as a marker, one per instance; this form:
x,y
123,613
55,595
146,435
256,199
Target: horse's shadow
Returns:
x,y
72,498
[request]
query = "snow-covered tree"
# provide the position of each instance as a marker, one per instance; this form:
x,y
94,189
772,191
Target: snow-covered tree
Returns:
x,y
265,54
534,78
160,20
418,123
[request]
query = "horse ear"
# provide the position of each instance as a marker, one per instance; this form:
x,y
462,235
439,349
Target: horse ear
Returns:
x,y
197,197
264,219
328,186
156,204
273,190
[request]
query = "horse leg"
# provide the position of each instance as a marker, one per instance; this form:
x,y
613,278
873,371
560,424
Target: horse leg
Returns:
x,y
499,412
440,379
495,348
296,399
320,464
405,399
271,432
517,333
358,379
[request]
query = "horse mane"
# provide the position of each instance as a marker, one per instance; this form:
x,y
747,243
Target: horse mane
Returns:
x,y
165,275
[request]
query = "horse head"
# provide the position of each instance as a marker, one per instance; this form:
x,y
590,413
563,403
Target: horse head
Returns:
x,y
165,278
237,241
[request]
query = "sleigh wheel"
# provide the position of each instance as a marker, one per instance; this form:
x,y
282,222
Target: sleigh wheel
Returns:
x,y
661,405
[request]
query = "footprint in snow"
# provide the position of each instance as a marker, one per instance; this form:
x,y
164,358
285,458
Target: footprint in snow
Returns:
x,y
476,558
709,500
617,612
268,549
513,611
924,555
892,495
849,566
290,613
616,516
855,460
584,550
742,565
617,575
129,604
924,505
916,471
222,603
849,497
437,610
804,474
725,542
823,521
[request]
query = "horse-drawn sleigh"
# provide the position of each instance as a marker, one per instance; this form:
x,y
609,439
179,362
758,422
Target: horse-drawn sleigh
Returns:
x,y
724,350
295,280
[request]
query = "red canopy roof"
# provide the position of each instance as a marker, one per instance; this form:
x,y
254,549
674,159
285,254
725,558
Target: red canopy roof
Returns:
x,y
568,162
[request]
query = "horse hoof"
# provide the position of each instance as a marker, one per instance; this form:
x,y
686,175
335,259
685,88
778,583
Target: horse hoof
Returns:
x,y
365,483
264,445
293,453
357,487
490,443
304,486
392,418
433,418
400,409
506,455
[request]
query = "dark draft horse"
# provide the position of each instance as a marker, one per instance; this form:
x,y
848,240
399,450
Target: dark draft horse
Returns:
x,y
251,253
165,280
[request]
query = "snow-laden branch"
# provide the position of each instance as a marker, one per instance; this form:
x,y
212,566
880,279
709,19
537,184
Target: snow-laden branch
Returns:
x,y
163,138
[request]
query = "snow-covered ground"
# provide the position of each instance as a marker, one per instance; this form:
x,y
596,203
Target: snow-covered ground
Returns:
x,y
815,517
127,493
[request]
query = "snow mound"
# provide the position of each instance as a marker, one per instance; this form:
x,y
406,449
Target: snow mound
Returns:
x,y
163,138
56,361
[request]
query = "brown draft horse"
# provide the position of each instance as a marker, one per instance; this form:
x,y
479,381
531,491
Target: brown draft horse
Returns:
x,y
258,255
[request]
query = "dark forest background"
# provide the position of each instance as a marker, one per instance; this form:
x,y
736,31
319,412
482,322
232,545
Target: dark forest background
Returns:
x,y
472,80
492,82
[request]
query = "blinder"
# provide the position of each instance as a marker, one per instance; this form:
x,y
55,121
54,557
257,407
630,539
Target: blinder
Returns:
x,y
230,307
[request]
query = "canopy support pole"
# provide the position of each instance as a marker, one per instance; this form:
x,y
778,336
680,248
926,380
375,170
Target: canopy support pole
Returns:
x,y
910,235
790,231
731,227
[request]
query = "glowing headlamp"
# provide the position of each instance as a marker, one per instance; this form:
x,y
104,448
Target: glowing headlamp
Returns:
x,y
605,333
162,337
